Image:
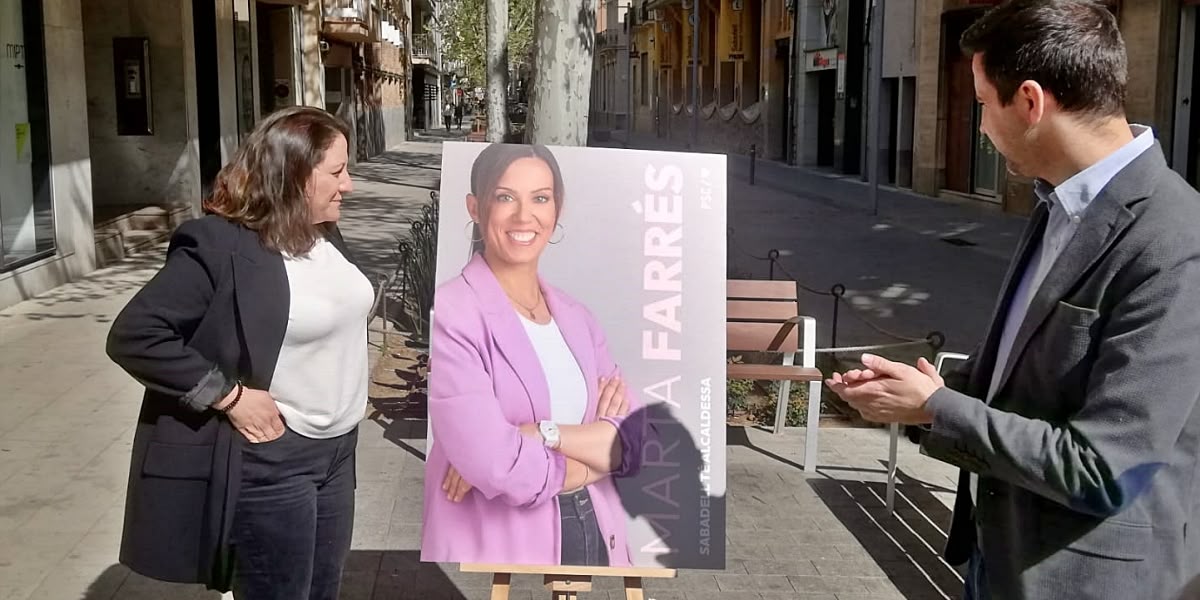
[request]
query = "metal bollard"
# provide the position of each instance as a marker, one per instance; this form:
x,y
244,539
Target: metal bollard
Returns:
x,y
837,291
753,156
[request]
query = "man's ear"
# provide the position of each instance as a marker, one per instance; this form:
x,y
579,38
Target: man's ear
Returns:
x,y
1031,98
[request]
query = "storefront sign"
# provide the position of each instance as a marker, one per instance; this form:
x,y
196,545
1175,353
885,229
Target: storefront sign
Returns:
x,y
841,74
820,60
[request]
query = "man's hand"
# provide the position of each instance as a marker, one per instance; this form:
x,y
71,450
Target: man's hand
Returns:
x,y
887,391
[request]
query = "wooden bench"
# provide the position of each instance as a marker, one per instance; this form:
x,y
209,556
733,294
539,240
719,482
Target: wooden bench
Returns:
x,y
761,316
478,129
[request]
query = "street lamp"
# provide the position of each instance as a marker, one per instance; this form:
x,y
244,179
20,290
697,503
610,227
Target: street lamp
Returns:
x,y
875,106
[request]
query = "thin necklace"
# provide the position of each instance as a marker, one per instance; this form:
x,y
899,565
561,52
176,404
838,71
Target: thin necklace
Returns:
x,y
527,309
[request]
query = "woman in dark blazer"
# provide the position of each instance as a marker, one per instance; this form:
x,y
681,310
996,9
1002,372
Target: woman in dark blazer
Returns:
x,y
251,342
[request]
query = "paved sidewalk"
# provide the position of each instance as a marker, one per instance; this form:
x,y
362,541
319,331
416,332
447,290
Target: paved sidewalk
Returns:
x,y
68,422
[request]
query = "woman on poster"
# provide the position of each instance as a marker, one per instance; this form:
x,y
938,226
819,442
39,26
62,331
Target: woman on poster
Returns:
x,y
527,408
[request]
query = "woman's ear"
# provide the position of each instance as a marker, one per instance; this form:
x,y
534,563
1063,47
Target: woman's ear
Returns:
x,y
473,207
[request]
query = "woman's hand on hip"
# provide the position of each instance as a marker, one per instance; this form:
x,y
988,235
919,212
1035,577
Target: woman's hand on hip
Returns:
x,y
613,402
256,416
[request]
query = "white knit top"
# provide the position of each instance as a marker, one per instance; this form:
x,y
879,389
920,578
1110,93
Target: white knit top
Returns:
x,y
320,381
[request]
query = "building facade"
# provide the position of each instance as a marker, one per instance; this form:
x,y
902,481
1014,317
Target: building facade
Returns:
x,y
427,91
952,158
611,64
785,79
115,116
792,80
723,90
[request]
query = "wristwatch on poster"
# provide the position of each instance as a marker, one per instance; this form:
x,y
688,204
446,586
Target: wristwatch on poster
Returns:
x,y
549,432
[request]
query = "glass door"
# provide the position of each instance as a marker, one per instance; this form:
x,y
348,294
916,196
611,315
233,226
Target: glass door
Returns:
x,y
26,215
985,162
244,55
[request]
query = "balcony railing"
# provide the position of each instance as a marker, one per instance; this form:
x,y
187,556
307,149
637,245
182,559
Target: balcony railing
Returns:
x,y
610,37
348,20
423,46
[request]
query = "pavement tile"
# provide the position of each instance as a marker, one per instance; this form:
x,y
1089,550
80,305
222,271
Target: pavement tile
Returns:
x,y
836,585
763,583
781,567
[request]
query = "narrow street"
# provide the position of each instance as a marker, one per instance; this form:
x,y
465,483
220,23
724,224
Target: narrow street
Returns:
x,y
69,416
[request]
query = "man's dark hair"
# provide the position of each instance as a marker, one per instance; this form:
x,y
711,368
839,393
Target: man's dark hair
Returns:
x,y
1072,48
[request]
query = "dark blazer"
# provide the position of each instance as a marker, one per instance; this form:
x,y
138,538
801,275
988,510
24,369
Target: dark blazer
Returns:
x,y
1088,453
217,311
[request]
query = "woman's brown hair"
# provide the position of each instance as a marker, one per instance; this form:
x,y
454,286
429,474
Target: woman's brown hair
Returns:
x,y
264,186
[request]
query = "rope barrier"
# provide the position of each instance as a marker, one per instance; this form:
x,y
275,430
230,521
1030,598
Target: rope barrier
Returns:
x,y
838,293
870,348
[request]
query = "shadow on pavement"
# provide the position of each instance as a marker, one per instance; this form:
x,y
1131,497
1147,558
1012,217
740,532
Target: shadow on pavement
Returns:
x,y
907,545
369,575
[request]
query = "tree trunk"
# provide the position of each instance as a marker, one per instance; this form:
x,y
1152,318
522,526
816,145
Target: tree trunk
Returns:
x,y
565,40
497,70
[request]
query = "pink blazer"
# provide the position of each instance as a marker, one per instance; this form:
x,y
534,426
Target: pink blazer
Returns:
x,y
486,380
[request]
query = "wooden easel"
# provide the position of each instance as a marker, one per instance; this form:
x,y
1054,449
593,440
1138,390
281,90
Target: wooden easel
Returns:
x,y
567,581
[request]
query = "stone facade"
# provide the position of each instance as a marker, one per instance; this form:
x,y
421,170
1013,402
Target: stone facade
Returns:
x,y
382,99
715,133
1151,32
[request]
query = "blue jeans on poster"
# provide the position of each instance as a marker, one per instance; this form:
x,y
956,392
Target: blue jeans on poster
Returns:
x,y
582,542
294,517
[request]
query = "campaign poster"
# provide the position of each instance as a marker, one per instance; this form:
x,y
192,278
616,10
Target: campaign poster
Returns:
x,y
577,359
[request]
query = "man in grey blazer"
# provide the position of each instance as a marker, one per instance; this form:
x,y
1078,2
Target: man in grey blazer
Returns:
x,y
1075,422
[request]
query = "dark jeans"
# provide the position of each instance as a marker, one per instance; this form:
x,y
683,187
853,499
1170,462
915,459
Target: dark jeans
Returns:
x,y
294,517
582,543
975,587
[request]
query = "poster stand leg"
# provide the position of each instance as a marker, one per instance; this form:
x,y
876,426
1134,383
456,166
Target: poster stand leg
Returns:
x,y
566,582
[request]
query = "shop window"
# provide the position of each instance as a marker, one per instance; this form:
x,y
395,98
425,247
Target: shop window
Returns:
x,y
750,83
26,207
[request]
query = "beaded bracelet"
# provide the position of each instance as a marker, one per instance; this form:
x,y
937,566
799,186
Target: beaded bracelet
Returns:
x,y
236,398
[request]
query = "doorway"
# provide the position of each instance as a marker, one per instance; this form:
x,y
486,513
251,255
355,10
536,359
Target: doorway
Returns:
x,y
277,56
1185,155
782,106
973,166
826,116
985,160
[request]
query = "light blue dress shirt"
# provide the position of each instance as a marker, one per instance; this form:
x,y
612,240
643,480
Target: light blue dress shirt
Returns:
x,y
1068,203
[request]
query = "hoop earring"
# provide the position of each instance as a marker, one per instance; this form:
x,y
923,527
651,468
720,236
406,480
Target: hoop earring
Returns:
x,y
471,235
559,228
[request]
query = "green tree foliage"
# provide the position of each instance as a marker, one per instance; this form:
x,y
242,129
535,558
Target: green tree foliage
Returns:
x,y
463,28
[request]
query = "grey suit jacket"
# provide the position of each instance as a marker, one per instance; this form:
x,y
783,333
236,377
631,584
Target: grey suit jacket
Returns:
x,y
1088,453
